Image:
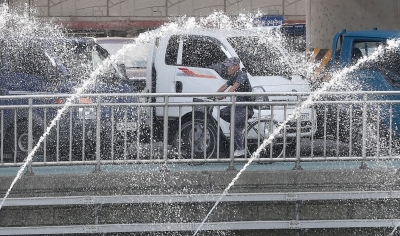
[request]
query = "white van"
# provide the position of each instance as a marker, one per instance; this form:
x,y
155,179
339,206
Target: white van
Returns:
x,y
179,62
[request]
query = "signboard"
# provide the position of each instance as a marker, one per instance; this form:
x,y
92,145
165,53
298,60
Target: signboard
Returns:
x,y
294,30
268,20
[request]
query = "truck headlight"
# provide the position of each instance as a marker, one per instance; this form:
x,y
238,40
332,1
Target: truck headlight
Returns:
x,y
261,130
87,113
261,98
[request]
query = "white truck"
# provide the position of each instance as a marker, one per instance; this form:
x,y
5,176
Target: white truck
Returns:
x,y
179,62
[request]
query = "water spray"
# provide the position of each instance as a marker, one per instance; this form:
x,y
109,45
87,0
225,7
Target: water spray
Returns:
x,y
216,20
69,101
337,77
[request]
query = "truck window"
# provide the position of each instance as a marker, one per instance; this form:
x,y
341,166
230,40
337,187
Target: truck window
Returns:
x,y
201,51
259,57
171,55
366,47
388,64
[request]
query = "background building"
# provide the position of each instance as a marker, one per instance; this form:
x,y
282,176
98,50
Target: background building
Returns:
x,y
128,17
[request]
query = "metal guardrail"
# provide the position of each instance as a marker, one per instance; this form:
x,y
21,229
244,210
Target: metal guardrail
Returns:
x,y
295,197
99,130
193,198
214,226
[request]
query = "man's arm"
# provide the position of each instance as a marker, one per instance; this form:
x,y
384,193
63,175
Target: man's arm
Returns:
x,y
223,88
234,87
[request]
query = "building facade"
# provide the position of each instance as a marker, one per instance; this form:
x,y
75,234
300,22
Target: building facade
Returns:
x,y
135,15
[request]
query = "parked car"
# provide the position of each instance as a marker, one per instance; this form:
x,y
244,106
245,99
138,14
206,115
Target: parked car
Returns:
x,y
41,66
133,56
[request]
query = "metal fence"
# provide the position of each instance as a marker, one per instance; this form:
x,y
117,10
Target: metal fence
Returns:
x,y
187,128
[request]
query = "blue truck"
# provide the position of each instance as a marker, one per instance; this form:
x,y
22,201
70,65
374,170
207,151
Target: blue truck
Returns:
x,y
379,122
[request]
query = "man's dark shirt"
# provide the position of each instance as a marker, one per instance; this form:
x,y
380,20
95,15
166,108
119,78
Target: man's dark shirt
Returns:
x,y
244,85
240,77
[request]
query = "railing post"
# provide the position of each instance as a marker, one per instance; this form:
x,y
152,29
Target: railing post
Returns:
x,y
30,137
98,133
297,212
298,138
165,134
2,137
364,130
232,138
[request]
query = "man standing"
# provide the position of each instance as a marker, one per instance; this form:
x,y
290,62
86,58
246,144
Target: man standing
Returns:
x,y
238,82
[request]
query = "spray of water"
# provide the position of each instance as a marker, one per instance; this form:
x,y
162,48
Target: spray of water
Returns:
x,y
60,112
336,78
70,100
217,20
143,38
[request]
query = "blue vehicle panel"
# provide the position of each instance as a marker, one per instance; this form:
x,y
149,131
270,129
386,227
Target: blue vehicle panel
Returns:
x,y
381,74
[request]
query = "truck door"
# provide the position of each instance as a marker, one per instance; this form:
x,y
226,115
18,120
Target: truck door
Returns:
x,y
199,59
379,74
162,71
186,68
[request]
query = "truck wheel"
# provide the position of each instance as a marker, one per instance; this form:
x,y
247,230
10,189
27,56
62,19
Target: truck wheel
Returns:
x,y
252,141
22,140
204,144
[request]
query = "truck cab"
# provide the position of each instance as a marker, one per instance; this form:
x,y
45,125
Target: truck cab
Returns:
x,y
183,62
381,73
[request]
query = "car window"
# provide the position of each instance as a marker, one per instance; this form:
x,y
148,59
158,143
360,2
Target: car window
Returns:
x,y
29,60
77,59
134,55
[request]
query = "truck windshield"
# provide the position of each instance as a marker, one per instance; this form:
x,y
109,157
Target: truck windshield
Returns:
x,y
135,57
81,59
259,57
389,65
78,60
386,63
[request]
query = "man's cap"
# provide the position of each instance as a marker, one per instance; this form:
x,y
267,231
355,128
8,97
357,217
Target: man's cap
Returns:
x,y
231,61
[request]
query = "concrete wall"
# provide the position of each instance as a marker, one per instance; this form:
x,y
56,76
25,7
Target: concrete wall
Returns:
x,y
98,184
157,8
144,12
325,18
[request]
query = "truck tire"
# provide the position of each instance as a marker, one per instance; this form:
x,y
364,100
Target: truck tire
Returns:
x,y
196,128
252,144
21,151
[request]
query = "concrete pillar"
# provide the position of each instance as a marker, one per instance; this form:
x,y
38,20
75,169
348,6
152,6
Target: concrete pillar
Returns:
x,y
325,18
